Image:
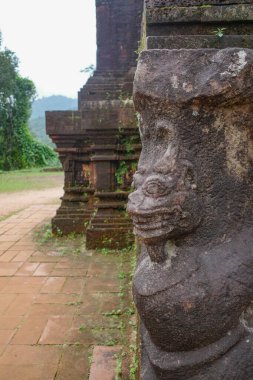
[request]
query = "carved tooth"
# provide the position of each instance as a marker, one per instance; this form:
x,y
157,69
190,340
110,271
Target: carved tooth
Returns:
x,y
157,253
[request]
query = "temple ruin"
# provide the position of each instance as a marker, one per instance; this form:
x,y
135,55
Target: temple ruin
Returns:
x,y
99,145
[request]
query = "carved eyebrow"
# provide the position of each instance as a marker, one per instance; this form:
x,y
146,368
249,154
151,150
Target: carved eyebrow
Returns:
x,y
164,126
156,129
141,170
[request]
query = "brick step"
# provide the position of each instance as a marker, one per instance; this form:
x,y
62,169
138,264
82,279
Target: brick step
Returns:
x,y
109,219
79,215
107,230
111,226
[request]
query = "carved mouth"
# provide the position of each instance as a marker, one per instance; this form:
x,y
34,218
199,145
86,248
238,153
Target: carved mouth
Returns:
x,y
147,225
154,234
157,223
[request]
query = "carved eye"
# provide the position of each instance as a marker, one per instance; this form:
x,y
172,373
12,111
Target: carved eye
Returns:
x,y
156,188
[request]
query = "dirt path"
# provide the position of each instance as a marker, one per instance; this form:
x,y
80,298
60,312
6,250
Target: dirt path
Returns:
x,y
12,202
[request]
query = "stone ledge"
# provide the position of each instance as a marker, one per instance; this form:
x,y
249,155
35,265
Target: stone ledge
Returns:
x,y
231,13
189,3
200,42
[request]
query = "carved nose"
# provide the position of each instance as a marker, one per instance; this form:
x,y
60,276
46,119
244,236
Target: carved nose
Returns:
x,y
134,201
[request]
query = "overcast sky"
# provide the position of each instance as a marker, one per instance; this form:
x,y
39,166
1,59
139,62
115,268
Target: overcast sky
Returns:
x,y
53,39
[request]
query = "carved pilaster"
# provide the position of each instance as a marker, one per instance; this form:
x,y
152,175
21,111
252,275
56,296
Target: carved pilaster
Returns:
x,y
72,145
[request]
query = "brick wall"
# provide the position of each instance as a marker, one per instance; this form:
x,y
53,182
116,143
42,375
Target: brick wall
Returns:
x,y
118,29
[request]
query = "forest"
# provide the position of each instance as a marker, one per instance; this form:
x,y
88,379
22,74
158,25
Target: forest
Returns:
x,y
37,122
19,149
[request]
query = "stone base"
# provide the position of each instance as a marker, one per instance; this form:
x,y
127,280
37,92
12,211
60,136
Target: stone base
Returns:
x,y
71,217
228,359
113,238
110,227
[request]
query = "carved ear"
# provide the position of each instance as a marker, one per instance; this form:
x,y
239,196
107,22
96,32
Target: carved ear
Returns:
x,y
167,163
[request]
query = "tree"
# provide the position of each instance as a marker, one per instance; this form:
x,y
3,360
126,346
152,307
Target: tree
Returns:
x,y
19,149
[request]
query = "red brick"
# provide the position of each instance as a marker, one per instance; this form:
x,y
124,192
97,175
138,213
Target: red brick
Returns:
x,y
28,372
5,336
98,302
73,264
70,272
53,285
5,301
74,363
5,245
98,284
91,303
23,255
9,238
8,255
9,269
9,323
27,269
23,285
30,331
102,269
44,269
104,362
46,259
50,309
19,355
56,330
73,285
57,298
20,306
24,246
3,282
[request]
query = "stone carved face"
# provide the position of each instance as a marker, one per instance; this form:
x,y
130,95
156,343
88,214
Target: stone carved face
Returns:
x,y
164,205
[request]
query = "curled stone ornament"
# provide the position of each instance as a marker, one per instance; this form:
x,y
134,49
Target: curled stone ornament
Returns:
x,y
192,210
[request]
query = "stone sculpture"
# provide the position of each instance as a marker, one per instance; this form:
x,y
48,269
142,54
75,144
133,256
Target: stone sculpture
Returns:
x,y
192,210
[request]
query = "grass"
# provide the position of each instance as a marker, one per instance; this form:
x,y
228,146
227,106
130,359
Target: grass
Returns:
x,y
32,179
72,245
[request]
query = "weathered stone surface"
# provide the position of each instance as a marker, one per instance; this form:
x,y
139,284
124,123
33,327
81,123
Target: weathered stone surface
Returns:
x,y
199,42
192,209
201,14
189,3
199,28
235,18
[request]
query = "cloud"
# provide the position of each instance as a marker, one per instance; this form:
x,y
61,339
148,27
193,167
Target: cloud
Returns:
x,y
53,40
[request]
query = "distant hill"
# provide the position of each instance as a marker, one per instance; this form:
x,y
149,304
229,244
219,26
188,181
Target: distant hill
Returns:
x,y
37,123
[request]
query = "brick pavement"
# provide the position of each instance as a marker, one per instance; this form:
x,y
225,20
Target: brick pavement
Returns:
x,y
51,306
